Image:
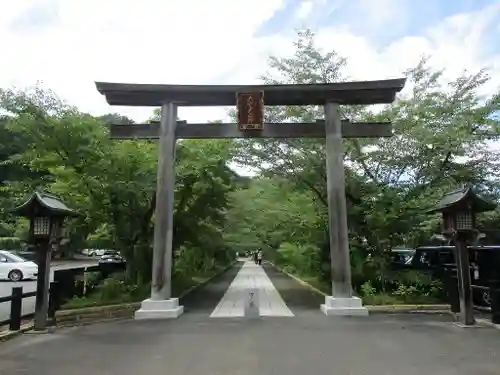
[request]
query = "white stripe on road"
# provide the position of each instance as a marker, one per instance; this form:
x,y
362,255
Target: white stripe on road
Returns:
x,y
251,276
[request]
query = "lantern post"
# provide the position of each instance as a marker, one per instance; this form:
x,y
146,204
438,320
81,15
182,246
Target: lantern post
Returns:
x,y
458,209
46,213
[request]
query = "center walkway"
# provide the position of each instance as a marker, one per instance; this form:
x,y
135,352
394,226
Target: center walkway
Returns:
x,y
268,300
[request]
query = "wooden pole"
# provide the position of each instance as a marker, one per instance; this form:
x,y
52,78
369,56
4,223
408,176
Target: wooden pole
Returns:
x,y
464,280
337,207
44,255
161,286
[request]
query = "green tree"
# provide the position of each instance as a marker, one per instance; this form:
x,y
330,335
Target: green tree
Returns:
x,y
113,182
439,142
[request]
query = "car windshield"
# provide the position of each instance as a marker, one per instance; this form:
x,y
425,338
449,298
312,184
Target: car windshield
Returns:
x,y
13,257
111,252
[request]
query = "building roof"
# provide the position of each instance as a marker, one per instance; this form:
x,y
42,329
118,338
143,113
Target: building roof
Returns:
x,y
463,194
351,93
48,203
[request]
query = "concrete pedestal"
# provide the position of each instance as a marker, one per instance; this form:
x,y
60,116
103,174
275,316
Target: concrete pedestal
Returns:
x,y
162,309
251,303
352,306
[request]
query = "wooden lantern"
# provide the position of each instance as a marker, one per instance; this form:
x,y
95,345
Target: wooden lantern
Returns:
x,y
459,209
46,213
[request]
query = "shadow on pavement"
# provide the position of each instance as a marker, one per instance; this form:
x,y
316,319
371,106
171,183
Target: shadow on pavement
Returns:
x,y
206,298
295,295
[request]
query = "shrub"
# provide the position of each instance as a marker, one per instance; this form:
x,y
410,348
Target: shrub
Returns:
x,y
89,281
368,290
10,243
299,259
112,289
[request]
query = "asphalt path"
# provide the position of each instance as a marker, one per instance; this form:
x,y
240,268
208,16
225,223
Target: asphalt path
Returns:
x,y
306,343
299,298
30,286
204,300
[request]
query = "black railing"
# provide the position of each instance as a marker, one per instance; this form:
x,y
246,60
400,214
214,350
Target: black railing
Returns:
x,y
67,284
16,298
16,307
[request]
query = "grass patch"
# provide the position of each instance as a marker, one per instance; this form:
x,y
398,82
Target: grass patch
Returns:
x,y
389,299
113,291
373,298
102,296
96,300
313,281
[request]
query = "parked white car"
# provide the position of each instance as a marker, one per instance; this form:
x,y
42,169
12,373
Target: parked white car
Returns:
x,y
15,268
93,252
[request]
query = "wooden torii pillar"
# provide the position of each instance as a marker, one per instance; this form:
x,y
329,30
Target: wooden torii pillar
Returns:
x,y
250,104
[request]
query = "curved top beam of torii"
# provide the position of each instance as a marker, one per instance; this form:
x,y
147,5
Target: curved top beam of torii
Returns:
x,y
347,93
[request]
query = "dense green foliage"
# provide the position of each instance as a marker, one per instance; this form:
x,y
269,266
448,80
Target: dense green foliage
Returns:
x,y
113,183
442,130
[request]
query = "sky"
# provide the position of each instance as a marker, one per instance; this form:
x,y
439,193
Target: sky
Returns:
x,y
67,45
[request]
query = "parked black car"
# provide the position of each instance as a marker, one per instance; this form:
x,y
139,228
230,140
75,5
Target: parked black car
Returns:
x,y
484,266
112,256
111,261
402,257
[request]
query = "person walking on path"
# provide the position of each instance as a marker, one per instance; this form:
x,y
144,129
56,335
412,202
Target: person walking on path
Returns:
x,y
259,257
255,257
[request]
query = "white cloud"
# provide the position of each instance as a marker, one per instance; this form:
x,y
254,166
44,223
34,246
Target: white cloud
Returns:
x,y
151,41
381,13
456,44
304,9
203,42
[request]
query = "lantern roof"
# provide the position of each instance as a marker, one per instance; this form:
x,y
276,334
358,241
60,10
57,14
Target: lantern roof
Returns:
x,y
41,203
464,195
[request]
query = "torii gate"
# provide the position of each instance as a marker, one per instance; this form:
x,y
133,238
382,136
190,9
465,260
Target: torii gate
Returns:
x,y
250,102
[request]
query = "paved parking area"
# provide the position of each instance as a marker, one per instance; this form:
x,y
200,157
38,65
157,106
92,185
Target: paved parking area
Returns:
x,y
307,343
193,344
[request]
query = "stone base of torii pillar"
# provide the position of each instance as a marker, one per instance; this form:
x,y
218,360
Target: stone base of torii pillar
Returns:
x,y
159,309
343,306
